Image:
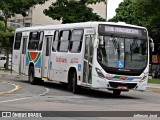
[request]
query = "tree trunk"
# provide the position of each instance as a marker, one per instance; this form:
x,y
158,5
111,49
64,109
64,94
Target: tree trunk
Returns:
x,y
6,45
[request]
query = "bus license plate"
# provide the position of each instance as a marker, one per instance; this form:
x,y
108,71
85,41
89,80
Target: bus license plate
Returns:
x,y
122,87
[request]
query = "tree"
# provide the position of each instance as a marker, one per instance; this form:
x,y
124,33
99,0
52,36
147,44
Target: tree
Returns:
x,y
126,13
10,7
144,13
149,10
6,39
70,11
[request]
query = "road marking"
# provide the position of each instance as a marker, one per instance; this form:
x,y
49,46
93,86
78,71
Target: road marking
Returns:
x,y
47,90
17,87
15,99
18,99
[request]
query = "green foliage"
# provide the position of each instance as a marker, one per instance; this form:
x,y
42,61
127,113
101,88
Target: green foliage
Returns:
x,y
93,1
126,12
7,35
154,81
71,11
6,39
144,13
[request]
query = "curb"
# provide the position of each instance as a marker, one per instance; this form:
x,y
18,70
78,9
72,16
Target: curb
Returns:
x,y
154,86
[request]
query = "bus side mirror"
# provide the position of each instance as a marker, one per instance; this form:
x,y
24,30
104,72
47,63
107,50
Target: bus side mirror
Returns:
x,y
152,46
96,43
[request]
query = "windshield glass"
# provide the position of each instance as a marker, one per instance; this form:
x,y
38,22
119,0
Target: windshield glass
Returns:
x,y
124,53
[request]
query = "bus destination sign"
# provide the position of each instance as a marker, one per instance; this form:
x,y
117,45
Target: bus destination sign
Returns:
x,y
125,30
121,30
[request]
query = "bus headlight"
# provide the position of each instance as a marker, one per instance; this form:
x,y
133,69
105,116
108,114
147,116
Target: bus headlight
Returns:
x,y
100,74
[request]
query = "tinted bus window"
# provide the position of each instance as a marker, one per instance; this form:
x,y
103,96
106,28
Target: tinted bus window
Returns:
x,y
64,41
33,41
76,41
17,43
55,41
40,40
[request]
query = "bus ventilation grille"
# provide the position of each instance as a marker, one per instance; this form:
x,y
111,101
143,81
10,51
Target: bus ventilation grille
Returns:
x,y
128,85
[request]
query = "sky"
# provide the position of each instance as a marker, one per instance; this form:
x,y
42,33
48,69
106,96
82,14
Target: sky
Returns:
x,y
112,5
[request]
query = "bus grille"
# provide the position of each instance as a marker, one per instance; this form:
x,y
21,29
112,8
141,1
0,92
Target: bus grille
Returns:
x,y
128,85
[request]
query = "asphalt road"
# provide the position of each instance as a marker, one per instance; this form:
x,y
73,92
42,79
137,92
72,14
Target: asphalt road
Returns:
x,y
18,95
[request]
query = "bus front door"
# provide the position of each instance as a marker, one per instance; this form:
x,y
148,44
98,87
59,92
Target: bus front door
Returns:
x,y
46,53
88,56
23,55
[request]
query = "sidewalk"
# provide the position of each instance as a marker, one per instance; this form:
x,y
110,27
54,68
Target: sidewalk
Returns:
x,y
153,85
8,73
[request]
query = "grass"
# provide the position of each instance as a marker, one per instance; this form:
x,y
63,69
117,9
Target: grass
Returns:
x,y
3,69
154,81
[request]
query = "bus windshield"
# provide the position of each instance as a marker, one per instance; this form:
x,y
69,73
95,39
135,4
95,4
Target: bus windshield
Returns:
x,y
122,53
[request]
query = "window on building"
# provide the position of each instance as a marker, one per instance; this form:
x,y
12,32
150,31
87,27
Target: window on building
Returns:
x,y
55,41
76,41
64,41
17,43
27,24
33,41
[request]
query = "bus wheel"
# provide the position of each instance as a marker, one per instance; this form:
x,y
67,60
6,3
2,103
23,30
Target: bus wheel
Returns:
x,y
116,92
31,78
75,86
73,78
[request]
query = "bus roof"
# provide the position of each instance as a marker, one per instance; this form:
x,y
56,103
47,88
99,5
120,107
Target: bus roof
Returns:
x,y
73,25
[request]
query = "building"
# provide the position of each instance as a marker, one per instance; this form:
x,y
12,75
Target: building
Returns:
x,y
36,16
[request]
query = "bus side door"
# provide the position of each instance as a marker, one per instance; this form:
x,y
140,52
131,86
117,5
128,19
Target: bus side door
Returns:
x,y
88,57
45,55
23,55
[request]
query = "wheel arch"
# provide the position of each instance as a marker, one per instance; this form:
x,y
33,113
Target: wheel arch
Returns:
x,y
71,70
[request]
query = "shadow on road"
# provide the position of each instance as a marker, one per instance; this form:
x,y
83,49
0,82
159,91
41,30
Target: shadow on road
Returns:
x,y
93,93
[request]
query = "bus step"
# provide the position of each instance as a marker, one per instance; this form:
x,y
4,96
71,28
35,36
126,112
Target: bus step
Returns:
x,y
45,79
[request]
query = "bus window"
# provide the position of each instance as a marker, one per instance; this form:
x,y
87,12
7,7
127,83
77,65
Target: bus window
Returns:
x,y
18,41
76,41
41,40
55,41
33,41
64,41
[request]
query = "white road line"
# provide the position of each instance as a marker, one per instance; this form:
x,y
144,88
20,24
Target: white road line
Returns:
x,y
18,99
47,90
15,99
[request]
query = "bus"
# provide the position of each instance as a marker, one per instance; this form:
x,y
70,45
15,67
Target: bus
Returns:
x,y
96,55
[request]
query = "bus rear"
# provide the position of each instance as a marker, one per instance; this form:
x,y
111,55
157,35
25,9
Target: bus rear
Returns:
x,y
121,60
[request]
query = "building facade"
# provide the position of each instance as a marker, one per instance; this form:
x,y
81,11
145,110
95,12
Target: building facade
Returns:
x,y
36,17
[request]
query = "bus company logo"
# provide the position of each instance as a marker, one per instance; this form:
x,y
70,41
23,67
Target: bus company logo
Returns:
x,y
61,60
34,56
74,60
123,77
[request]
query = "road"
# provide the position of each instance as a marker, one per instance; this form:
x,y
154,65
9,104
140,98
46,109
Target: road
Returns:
x,y
18,95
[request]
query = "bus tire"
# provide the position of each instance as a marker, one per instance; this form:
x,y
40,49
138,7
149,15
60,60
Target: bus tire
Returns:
x,y
75,87
116,92
72,81
31,79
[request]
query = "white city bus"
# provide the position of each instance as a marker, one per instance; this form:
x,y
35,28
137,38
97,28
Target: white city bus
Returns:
x,y
98,55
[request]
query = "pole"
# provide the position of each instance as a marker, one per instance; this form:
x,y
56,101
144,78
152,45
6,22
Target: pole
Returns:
x,y
106,8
